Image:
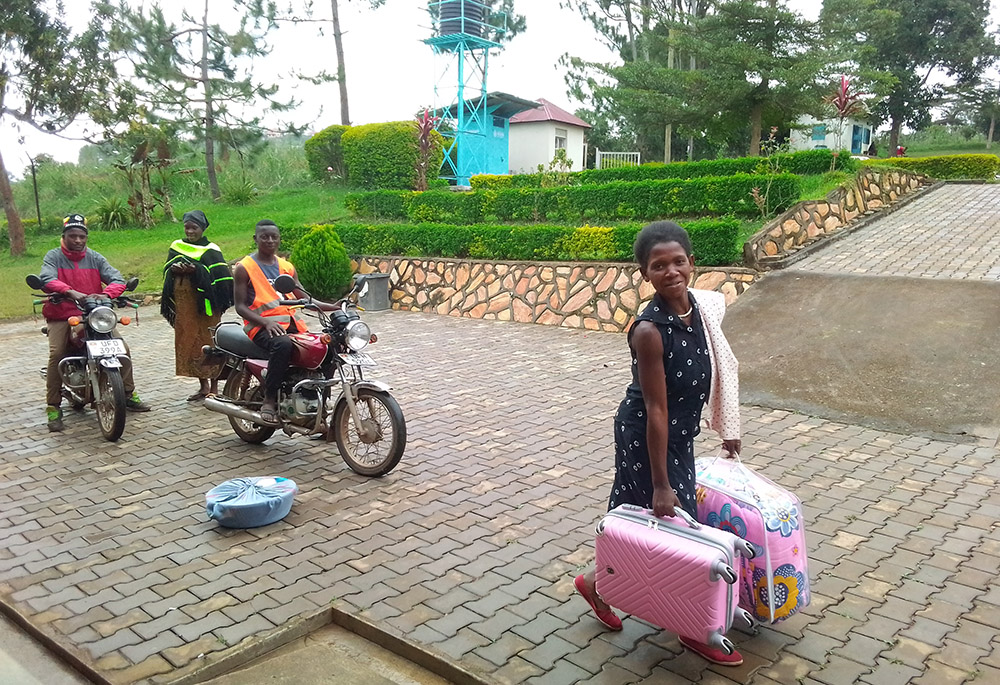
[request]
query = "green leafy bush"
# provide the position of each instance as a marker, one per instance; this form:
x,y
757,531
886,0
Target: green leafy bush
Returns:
x,y
947,167
325,155
617,201
431,206
242,192
321,263
715,241
803,163
384,156
111,214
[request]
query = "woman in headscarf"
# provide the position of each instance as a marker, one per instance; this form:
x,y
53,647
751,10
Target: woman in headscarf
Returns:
x,y
197,289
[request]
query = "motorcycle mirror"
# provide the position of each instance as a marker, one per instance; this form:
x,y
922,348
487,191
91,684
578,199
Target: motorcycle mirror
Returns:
x,y
284,284
131,284
34,282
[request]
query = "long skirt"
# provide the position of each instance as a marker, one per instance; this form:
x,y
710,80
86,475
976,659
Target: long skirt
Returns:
x,y
192,332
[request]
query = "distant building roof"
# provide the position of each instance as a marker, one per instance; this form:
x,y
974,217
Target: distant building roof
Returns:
x,y
548,112
500,104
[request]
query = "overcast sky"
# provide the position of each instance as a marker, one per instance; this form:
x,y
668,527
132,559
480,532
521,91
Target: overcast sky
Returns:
x,y
390,72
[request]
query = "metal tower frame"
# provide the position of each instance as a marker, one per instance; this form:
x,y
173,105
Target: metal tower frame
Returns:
x,y
463,110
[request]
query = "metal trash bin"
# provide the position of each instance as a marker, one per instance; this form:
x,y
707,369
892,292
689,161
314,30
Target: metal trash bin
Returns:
x,y
377,297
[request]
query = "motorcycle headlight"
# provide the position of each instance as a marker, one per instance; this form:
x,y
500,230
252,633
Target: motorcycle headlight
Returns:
x,y
102,319
357,335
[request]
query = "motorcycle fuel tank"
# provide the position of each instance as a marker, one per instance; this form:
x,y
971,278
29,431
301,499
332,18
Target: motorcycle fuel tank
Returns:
x,y
309,350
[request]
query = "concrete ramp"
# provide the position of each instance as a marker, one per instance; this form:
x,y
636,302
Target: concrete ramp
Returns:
x,y
903,354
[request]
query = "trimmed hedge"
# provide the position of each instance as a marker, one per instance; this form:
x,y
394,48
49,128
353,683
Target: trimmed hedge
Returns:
x,y
802,163
947,167
325,155
714,241
321,263
384,156
617,201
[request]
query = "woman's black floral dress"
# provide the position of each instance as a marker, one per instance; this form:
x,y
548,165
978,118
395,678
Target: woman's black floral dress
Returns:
x,y
689,376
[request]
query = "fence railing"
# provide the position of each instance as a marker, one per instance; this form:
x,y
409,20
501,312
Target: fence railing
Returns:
x,y
610,160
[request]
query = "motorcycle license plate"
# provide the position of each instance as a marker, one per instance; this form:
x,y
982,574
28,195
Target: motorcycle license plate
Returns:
x,y
358,359
105,348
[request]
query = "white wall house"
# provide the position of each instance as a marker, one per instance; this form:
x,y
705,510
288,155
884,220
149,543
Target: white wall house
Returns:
x,y
536,134
822,134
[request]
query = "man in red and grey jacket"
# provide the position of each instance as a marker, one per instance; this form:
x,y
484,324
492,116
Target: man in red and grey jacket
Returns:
x,y
74,271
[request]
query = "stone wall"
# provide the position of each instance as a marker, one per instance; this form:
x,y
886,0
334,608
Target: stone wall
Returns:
x,y
594,296
808,221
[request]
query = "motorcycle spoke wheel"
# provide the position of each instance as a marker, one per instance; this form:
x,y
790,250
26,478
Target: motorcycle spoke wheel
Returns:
x,y
243,386
375,447
110,404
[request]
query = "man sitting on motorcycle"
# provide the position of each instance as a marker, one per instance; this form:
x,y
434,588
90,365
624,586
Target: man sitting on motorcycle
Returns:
x,y
265,321
75,272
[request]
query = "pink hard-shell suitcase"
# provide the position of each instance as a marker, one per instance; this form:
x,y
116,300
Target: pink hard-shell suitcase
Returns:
x,y
774,584
672,572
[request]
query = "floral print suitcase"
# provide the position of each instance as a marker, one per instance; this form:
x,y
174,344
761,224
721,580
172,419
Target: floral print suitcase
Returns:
x,y
774,584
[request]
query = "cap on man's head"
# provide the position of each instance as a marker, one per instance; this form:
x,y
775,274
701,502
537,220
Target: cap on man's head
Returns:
x,y
75,221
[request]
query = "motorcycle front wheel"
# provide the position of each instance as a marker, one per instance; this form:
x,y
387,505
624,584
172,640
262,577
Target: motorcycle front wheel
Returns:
x,y
376,447
110,403
243,386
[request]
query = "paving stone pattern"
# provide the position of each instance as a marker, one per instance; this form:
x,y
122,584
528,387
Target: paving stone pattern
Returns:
x,y
470,546
949,233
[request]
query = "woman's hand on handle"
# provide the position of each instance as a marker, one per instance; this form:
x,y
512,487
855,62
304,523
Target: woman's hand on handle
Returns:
x,y
732,448
664,501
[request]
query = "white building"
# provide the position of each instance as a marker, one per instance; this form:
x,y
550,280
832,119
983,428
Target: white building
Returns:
x,y
536,134
820,134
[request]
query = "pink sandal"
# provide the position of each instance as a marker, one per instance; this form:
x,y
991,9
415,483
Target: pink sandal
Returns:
x,y
605,616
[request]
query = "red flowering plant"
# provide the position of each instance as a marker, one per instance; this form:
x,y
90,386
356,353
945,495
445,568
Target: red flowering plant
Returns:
x,y
846,103
426,124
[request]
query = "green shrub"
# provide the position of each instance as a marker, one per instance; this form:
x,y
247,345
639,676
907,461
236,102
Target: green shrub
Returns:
x,y
321,263
947,167
324,154
384,156
111,214
715,241
617,201
239,192
806,162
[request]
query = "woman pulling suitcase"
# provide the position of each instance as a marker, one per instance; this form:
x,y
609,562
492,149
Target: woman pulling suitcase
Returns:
x,y
680,362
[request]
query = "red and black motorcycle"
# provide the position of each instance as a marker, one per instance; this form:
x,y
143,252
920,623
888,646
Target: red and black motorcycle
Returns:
x,y
91,372
325,392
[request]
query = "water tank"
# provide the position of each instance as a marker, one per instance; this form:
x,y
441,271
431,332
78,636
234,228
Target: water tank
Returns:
x,y
451,17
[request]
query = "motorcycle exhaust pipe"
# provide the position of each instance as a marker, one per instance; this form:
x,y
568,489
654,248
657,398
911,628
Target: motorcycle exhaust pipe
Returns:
x,y
231,409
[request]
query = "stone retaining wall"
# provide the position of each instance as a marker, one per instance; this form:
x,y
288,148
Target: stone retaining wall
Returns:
x,y
594,296
808,221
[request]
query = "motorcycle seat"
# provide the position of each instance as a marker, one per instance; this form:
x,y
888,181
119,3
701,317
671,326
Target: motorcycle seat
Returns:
x,y
230,337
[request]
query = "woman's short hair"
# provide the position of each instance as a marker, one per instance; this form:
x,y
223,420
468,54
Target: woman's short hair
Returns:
x,y
659,232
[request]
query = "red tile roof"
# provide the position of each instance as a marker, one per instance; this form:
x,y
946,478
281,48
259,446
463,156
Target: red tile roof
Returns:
x,y
548,112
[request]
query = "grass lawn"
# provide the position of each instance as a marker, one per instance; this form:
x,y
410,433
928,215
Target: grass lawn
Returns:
x,y
141,253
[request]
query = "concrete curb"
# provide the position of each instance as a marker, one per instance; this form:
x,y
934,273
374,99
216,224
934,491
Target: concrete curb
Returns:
x,y
66,655
815,246
255,646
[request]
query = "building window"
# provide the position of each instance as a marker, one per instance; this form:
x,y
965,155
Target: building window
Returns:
x,y
819,132
561,139
498,122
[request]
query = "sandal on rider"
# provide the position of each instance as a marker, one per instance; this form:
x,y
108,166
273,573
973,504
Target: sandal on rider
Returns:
x,y
269,416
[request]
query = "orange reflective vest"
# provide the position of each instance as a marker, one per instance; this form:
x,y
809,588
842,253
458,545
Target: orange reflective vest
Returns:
x,y
265,297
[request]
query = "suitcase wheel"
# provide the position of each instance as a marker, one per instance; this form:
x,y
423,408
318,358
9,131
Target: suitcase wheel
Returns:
x,y
745,549
746,618
721,569
720,641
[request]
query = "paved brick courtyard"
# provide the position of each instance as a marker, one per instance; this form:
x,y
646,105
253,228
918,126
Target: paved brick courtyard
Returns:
x,y
950,233
470,546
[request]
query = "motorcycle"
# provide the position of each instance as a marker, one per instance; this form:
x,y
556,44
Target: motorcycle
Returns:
x,y
364,419
91,374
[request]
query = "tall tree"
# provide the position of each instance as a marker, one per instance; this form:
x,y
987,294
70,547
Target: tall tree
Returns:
x,y
198,76
907,42
48,77
753,60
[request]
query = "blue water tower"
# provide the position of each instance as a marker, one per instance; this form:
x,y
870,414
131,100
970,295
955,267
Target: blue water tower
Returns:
x,y
462,42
